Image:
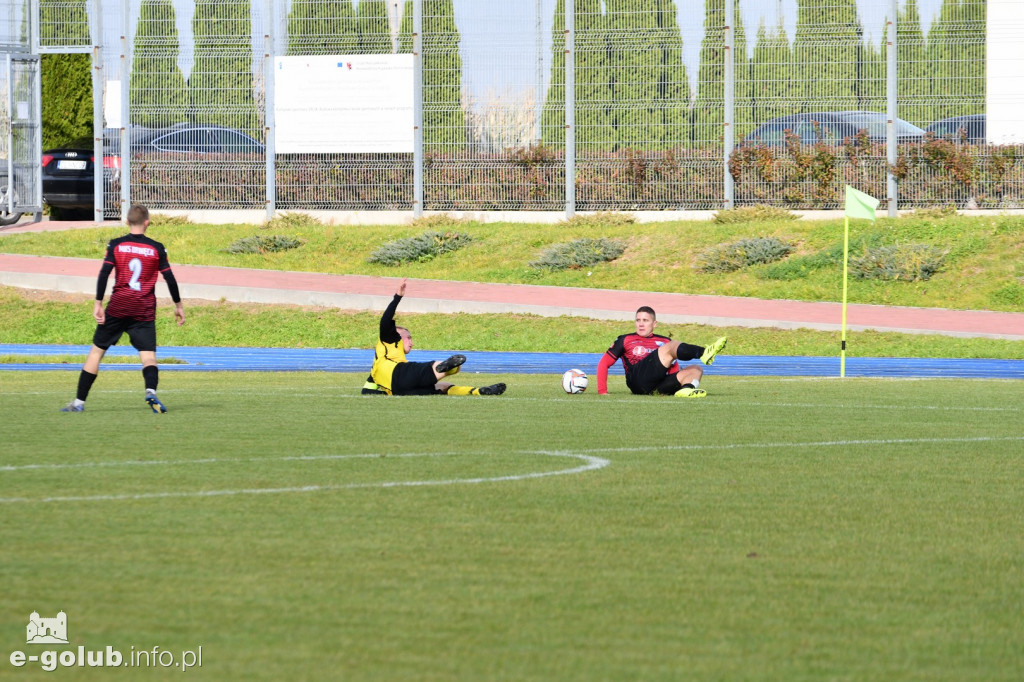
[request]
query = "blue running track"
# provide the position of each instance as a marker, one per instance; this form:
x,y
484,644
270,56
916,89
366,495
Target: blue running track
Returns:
x,y
358,360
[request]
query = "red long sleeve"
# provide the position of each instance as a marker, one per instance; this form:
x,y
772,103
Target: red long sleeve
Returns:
x,y
602,373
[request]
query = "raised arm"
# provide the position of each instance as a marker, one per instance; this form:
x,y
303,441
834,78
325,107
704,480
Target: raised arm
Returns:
x,y
388,332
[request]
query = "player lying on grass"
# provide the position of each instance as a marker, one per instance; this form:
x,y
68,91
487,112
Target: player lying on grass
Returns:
x,y
650,361
135,260
394,375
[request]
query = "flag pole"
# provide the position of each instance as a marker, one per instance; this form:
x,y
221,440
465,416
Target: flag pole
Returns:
x,y
846,260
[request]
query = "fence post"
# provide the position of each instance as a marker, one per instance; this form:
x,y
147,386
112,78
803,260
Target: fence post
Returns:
x,y
891,111
570,108
269,94
538,104
96,26
126,112
417,116
729,104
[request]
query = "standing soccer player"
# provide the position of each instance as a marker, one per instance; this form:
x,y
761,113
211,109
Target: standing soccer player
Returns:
x,y
136,260
650,361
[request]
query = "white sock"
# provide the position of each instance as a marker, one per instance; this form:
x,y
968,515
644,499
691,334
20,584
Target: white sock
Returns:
x,y
696,383
150,392
78,403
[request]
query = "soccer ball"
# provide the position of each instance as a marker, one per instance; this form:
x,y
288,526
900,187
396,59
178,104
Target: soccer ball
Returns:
x,y
574,381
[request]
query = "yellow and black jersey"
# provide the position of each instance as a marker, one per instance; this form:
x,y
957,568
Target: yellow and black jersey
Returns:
x,y
390,350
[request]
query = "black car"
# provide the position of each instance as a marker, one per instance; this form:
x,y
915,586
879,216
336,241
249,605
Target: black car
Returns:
x,y
832,127
68,172
68,180
969,128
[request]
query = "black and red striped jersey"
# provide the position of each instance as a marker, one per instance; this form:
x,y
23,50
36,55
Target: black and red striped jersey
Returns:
x,y
633,348
137,261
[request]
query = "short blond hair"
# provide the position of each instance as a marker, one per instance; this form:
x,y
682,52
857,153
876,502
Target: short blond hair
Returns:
x,y
138,215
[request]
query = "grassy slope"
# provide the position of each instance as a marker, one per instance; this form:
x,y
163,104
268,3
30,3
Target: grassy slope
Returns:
x,y
983,268
67,319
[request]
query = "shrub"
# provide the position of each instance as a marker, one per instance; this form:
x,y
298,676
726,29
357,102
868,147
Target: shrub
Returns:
x,y
287,221
746,252
907,262
756,213
935,212
801,266
578,254
263,244
600,219
419,249
158,220
438,220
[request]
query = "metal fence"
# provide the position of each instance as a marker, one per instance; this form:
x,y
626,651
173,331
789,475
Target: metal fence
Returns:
x,y
568,105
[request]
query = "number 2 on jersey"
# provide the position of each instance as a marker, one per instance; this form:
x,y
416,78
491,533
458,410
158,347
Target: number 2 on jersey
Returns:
x,y
135,265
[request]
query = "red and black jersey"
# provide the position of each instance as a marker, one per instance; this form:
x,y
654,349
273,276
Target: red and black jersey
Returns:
x,y
633,348
137,261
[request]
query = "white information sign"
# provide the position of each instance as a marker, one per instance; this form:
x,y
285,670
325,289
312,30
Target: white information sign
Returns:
x,y
1004,89
354,104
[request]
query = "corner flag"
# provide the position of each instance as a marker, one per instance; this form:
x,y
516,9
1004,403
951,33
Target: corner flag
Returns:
x,y
858,205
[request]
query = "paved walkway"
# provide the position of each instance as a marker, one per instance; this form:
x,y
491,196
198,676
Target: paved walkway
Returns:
x,y
357,292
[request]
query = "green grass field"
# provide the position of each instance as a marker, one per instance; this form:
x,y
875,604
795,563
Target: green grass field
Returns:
x,y
781,529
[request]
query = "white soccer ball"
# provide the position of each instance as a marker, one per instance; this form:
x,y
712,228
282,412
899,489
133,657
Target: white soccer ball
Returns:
x,y
575,381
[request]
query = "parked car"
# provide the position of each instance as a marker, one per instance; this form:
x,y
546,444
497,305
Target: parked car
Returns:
x,y
832,127
68,172
969,128
68,175
186,138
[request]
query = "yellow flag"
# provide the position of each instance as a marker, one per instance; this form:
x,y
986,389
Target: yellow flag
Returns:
x,y
860,205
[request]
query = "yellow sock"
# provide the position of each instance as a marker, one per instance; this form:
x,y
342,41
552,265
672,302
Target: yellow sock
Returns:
x,y
453,370
463,390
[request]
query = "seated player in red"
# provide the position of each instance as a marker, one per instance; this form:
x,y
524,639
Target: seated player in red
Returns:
x,y
651,361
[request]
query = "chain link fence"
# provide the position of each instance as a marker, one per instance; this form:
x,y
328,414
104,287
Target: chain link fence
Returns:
x,y
672,105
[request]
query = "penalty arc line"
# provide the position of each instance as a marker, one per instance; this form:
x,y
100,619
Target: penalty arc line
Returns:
x,y
591,464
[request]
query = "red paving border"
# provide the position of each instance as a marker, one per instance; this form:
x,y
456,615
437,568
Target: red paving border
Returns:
x,y
373,293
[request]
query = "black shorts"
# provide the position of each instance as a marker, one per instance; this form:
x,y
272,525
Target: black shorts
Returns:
x,y
413,378
650,376
141,334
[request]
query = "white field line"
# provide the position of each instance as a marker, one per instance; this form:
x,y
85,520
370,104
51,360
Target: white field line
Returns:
x,y
710,402
590,463
817,444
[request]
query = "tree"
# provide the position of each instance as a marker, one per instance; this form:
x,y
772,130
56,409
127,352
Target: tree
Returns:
x,y
771,91
912,82
374,29
220,87
828,36
443,118
63,23
552,120
673,84
322,27
635,66
956,55
157,86
65,79
871,74
66,84
710,104
594,96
